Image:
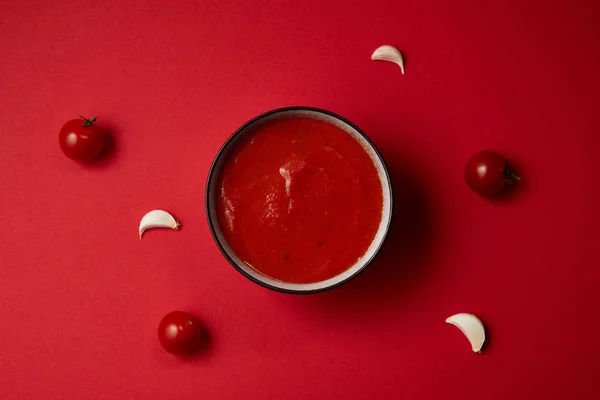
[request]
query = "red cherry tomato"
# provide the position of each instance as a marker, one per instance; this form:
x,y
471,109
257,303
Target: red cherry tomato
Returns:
x,y
81,139
179,333
488,173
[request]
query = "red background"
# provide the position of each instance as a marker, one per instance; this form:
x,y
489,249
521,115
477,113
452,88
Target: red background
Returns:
x,y
81,296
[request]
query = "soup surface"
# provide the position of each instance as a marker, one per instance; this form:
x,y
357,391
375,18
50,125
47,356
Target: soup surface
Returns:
x,y
299,200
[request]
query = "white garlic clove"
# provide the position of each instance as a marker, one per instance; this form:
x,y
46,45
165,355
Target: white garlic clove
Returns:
x,y
389,53
471,327
157,219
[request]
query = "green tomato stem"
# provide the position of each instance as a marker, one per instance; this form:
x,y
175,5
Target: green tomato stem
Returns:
x,y
511,176
89,121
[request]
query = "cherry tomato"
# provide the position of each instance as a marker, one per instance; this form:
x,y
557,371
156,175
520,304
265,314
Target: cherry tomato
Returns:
x,y
488,173
179,333
81,139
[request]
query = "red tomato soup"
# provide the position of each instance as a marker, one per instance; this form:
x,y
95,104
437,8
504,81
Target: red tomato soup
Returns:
x,y
299,200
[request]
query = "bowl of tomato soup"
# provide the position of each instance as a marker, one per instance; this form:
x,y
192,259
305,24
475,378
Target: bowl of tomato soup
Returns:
x,y
299,200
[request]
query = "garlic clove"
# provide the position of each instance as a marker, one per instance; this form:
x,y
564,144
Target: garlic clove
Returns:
x,y
157,219
389,53
471,327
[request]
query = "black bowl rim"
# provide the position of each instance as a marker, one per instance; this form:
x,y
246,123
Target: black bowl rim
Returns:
x,y
211,174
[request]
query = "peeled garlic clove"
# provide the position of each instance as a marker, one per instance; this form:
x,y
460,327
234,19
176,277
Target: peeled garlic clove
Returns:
x,y
472,328
157,219
389,53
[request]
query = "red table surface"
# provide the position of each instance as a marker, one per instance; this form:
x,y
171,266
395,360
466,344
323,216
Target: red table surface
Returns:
x,y
81,296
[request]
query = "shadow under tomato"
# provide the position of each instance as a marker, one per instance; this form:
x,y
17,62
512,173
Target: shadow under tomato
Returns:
x,y
512,191
110,150
204,348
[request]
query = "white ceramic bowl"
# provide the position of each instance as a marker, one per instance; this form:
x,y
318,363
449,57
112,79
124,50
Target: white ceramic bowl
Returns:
x,y
251,273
